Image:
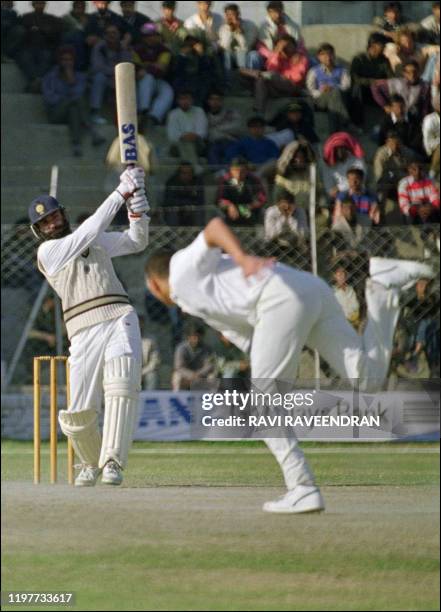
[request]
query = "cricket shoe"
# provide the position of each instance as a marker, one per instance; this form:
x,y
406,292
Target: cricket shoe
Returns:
x,y
88,476
302,499
112,474
398,273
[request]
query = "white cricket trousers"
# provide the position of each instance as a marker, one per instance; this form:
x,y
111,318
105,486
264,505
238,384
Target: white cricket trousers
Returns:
x,y
94,346
297,309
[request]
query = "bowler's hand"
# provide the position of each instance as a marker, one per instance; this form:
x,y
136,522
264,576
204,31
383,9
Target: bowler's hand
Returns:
x,y
252,265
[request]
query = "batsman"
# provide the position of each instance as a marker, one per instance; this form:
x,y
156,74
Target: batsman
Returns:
x,y
102,325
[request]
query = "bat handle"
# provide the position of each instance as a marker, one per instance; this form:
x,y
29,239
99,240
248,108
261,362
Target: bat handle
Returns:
x,y
130,166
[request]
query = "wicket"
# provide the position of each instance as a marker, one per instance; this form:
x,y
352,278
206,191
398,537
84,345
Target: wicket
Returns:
x,y
53,418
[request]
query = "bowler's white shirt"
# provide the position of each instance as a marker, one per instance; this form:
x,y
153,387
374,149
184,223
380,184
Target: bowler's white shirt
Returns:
x,y
208,284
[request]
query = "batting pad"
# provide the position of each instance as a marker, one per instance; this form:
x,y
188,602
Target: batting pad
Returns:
x,y
122,384
82,429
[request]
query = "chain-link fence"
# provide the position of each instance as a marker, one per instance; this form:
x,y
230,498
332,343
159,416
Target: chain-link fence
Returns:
x,y
342,261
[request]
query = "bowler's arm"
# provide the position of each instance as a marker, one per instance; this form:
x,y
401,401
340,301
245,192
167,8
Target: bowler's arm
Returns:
x,y
217,234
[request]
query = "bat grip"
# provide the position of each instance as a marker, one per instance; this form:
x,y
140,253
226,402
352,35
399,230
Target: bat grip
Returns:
x,y
131,214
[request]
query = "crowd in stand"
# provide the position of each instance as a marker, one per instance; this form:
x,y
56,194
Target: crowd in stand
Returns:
x,y
183,68
262,163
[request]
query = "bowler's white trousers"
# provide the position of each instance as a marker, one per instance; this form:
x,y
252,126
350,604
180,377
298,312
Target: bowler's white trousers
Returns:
x,y
296,309
90,349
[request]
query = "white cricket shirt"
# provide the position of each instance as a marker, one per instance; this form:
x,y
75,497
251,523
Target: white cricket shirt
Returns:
x,y
208,284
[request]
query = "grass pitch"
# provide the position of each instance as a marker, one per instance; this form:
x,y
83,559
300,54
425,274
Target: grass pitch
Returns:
x,y
186,532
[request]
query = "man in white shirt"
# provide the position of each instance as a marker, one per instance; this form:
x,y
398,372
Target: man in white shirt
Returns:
x,y
276,25
272,311
285,219
187,130
431,137
237,38
205,24
102,325
346,296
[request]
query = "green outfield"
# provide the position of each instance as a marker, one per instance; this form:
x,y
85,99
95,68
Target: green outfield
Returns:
x,y
186,532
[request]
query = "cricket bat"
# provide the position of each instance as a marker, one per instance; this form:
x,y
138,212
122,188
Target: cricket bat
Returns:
x,y
125,89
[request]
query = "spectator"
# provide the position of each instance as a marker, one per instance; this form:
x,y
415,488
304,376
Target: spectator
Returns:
x,y
390,163
231,362
285,222
431,137
259,151
366,204
151,359
430,26
426,214
241,195
42,35
237,38
77,18
284,74
171,28
152,60
98,23
410,87
423,347
184,198
194,361
64,91
187,130
297,118
416,189
346,296
366,69
224,127
391,20
348,231
205,25
133,20
12,30
392,158
397,121
277,25
340,152
105,55
194,70
293,173
328,83
406,49
75,23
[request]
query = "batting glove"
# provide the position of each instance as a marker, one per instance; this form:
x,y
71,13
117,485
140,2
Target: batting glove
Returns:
x,y
138,204
131,179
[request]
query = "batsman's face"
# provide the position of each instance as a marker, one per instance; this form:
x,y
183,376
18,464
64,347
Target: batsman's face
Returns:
x,y
53,224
